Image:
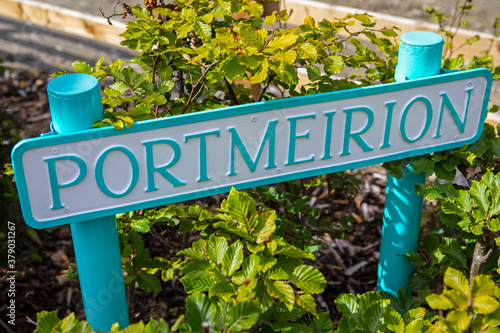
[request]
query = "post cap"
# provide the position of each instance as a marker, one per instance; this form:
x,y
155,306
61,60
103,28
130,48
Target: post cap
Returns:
x,y
73,85
75,102
419,55
422,39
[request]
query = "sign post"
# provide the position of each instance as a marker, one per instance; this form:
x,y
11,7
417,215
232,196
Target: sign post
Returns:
x,y
419,56
75,103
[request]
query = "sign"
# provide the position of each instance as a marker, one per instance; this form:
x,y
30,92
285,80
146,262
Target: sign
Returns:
x,y
104,171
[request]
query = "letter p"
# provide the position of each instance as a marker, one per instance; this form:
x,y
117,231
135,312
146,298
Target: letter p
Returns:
x,y
54,182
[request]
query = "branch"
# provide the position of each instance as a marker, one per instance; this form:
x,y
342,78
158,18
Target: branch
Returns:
x,y
154,67
479,258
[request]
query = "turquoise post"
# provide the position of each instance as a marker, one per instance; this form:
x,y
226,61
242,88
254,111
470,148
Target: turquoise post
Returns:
x,y
419,56
75,103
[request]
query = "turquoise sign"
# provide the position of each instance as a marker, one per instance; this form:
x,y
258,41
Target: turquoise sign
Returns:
x,y
93,173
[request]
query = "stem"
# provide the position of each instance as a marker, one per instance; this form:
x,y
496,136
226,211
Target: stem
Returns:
x,y
181,81
155,62
481,254
231,92
130,299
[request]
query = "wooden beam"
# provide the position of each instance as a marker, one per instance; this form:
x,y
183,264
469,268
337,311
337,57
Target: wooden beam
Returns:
x,y
62,19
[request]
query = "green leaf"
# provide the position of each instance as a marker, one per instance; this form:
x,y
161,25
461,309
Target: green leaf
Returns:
x,y
457,281
308,51
348,305
313,73
46,321
241,207
196,251
414,314
309,279
148,282
200,309
465,200
266,226
223,289
197,269
372,317
307,302
201,284
141,13
82,67
333,64
137,241
283,268
140,225
252,37
322,323
261,73
389,33
454,252
282,291
154,326
479,192
233,259
233,69
285,249
203,30
242,316
394,321
287,74
216,249
184,30
423,165
363,18
347,324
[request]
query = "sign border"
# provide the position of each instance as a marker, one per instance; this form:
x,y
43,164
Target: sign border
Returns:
x,y
252,108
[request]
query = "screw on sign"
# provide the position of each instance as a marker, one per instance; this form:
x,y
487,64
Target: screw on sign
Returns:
x,y
72,176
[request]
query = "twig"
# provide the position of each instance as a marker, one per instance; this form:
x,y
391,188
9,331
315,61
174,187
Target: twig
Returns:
x,y
7,328
271,78
190,98
231,92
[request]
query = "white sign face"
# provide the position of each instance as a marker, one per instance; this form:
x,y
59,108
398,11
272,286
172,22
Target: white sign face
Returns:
x,y
99,172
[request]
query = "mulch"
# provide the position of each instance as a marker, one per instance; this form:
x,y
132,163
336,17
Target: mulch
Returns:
x,y
43,256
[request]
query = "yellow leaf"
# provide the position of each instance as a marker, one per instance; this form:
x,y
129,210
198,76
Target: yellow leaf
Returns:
x,y
287,57
282,41
485,304
261,73
309,20
457,281
460,318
